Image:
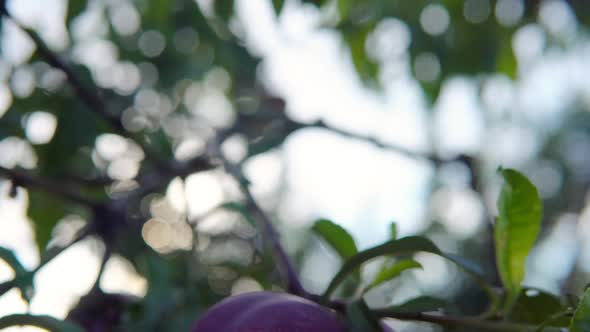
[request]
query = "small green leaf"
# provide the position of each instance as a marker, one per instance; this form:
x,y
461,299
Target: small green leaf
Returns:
x,y
356,38
506,60
572,300
534,306
318,3
559,319
42,321
241,209
406,245
393,247
359,318
224,9
393,230
388,273
45,211
516,230
337,237
75,8
581,320
278,5
344,7
421,304
160,143
247,215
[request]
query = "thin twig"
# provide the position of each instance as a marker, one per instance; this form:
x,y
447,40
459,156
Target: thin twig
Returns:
x,y
286,125
460,322
96,181
50,254
28,180
372,140
294,285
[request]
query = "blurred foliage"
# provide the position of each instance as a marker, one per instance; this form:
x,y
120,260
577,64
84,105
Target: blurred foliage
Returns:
x,y
204,53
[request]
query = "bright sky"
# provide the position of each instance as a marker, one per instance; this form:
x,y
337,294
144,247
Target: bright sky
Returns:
x,y
355,184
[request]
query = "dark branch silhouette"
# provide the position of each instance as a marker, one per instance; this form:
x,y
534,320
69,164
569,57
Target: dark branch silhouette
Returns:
x,y
25,179
272,235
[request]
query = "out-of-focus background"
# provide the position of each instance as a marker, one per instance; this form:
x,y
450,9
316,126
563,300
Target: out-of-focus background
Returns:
x,y
364,112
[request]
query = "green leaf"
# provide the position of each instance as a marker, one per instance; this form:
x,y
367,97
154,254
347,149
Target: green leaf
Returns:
x,y
560,319
337,237
224,9
534,306
516,229
393,230
158,14
344,7
45,211
75,8
581,320
76,132
355,38
241,209
406,245
388,273
278,5
506,61
359,318
421,304
42,321
343,243
160,143
318,3
160,295
505,58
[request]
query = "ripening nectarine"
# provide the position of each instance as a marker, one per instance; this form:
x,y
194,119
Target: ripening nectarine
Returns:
x,y
269,312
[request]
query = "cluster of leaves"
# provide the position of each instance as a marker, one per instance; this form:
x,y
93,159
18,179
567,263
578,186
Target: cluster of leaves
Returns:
x,y
465,49
176,293
516,230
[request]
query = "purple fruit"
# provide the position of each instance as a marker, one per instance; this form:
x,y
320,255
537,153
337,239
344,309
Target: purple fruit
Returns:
x,y
269,312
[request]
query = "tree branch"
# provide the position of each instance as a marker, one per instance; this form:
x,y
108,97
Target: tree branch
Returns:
x,y
50,254
96,181
103,263
461,322
286,265
27,180
369,139
277,118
